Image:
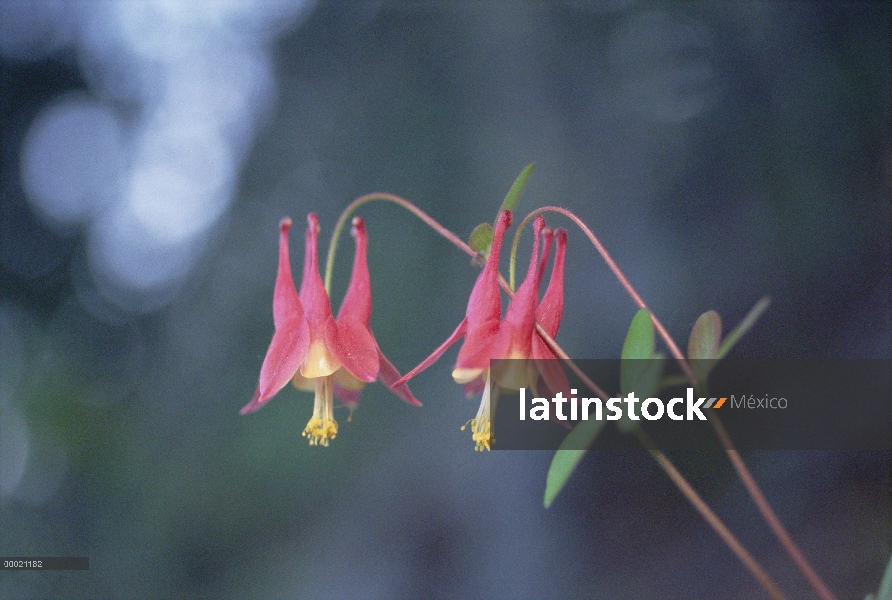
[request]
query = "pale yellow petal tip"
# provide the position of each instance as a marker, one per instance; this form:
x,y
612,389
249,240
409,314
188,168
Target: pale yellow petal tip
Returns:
x,y
464,376
318,432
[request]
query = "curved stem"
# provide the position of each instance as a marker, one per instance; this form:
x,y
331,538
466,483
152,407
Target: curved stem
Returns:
x,y
661,330
384,196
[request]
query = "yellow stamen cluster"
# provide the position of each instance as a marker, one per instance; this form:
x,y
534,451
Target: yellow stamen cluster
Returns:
x,y
481,427
319,432
481,433
322,425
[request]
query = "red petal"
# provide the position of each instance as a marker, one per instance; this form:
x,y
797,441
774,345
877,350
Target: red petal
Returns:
x,y
484,307
516,331
357,304
286,352
347,388
551,309
552,377
549,314
349,391
357,351
390,376
475,387
522,310
347,396
476,352
313,296
454,337
286,304
548,235
485,302
317,308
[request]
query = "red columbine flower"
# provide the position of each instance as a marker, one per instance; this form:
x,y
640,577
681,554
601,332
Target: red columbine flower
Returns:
x,y
490,338
548,315
313,349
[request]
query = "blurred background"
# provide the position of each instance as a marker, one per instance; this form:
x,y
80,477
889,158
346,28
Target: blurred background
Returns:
x,y
148,149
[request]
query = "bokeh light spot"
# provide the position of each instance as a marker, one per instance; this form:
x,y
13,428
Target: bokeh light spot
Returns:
x,y
72,159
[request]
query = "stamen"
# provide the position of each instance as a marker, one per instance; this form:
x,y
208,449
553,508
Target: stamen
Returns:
x,y
482,426
322,425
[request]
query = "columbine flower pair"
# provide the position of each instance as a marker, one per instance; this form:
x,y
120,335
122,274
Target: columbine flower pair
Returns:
x,y
333,357
513,339
337,357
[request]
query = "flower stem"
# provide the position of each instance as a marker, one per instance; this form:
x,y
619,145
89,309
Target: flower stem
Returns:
x,y
384,196
780,532
694,498
661,330
740,467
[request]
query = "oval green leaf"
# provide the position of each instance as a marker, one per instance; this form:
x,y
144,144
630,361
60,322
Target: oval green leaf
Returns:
x,y
642,377
640,370
703,345
568,456
481,238
640,341
706,336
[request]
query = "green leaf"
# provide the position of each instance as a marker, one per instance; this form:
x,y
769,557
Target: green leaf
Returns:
x,y
703,344
885,592
481,238
748,321
568,456
637,350
513,195
705,336
641,377
640,341
640,370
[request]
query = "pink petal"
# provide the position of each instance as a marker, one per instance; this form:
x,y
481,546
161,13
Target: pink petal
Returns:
x,y
485,302
357,351
550,368
552,377
286,352
357,304
348,396
476,351
551,308
317,308
313,296
286,304
390,376
475,387
453,337
548,236
515,333
522,311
